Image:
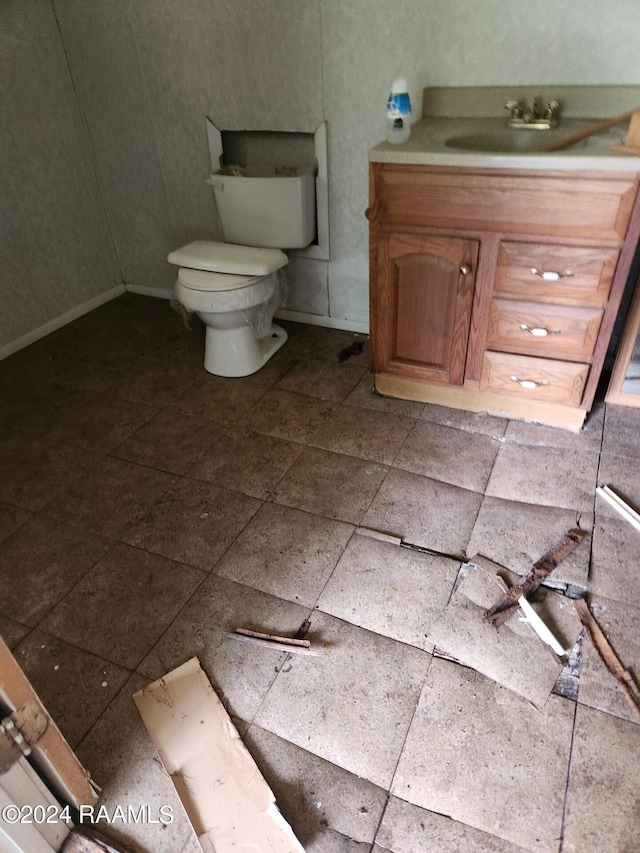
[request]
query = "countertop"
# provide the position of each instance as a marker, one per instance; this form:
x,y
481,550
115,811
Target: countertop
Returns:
x,y
441,142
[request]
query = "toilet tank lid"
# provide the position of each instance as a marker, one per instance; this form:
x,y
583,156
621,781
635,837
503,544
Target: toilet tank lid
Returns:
x,y
228,258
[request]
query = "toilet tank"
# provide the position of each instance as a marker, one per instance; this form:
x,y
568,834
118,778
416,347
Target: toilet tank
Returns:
x,y
268,206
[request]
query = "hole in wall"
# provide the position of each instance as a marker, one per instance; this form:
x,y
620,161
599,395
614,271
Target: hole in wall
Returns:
x,y
277,148
247,148
267,148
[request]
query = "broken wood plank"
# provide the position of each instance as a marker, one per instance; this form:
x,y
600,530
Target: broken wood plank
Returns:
x,y
609,657
291,645
294,641
224,794
508,604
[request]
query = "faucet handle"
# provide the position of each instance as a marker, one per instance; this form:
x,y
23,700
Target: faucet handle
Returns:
x,y
514,107
553,110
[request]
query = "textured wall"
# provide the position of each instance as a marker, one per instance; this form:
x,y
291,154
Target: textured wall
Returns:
x,y
367,43
146,72
55,250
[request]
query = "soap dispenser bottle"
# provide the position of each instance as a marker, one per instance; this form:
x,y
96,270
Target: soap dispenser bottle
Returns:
x,y
398,112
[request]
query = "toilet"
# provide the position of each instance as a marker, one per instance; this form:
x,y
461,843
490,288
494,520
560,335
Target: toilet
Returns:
x,y
236,287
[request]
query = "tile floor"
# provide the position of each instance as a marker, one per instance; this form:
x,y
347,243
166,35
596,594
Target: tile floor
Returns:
x,y
147,507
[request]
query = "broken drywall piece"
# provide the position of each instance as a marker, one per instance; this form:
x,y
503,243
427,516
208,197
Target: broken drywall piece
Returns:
x,y
513,656
226,798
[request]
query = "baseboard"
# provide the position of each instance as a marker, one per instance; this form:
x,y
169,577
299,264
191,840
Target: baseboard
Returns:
x,y
282,314
58,322
142,290
319,320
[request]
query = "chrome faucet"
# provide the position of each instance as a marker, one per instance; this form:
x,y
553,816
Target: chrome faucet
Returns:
x,y
534,115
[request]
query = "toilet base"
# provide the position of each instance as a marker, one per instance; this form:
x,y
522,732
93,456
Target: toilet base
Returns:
x,y
237,352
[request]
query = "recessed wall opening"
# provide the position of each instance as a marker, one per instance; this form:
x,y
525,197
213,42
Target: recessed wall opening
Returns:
x,y
246,148
267,148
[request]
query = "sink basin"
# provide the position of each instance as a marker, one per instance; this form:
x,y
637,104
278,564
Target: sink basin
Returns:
x,y
494,136
505,140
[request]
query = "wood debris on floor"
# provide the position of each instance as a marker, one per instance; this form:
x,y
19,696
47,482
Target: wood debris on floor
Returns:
x,y
513,656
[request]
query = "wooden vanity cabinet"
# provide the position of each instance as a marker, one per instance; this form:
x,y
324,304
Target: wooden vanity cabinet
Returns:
x,y
497,290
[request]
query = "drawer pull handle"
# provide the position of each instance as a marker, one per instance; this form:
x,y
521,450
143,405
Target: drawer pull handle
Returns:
x,y
539,332
530,384
549,275
465,269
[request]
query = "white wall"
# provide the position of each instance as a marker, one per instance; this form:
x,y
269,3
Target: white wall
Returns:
x,y
146,72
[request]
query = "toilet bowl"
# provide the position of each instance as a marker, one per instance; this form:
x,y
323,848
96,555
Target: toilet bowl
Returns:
x,y
235,287
235,291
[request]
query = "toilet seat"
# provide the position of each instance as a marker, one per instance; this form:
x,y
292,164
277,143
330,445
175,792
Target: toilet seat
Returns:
x,y
228,258
213,282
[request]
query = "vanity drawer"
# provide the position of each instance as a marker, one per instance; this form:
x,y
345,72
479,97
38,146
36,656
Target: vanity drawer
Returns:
x,y
552,331
535,204
534,379
572,275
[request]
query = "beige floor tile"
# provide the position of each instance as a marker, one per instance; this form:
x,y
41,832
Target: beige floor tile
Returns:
x,y
515,535
173,441
424,512
193,523
353,706
363,433
54,557
121,758
326,380
302,338
330,484
277,366
112,497
451,455
123,605
598,687
241,673
406,828
470,421
588,440
545,476
97,422
622,435
293,417
34,471
484,756
615,559
315,795
393,591
12,632
224,402
602,800
286,552
330,841
333,341
364,396
74,686
248,462
11,518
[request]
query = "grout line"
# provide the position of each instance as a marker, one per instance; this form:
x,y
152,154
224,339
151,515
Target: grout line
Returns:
x,y
566,790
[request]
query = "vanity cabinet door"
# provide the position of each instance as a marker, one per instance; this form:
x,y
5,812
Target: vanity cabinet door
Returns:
x,y
421,306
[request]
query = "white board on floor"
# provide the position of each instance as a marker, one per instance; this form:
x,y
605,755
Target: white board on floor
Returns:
x,y
227,799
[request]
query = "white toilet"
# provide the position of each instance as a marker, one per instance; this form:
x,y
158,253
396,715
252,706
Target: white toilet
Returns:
x,y
235,287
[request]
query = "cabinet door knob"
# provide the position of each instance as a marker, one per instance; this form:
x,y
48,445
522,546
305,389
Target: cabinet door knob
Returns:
x,y
539,332
465,269
549,275
530,384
